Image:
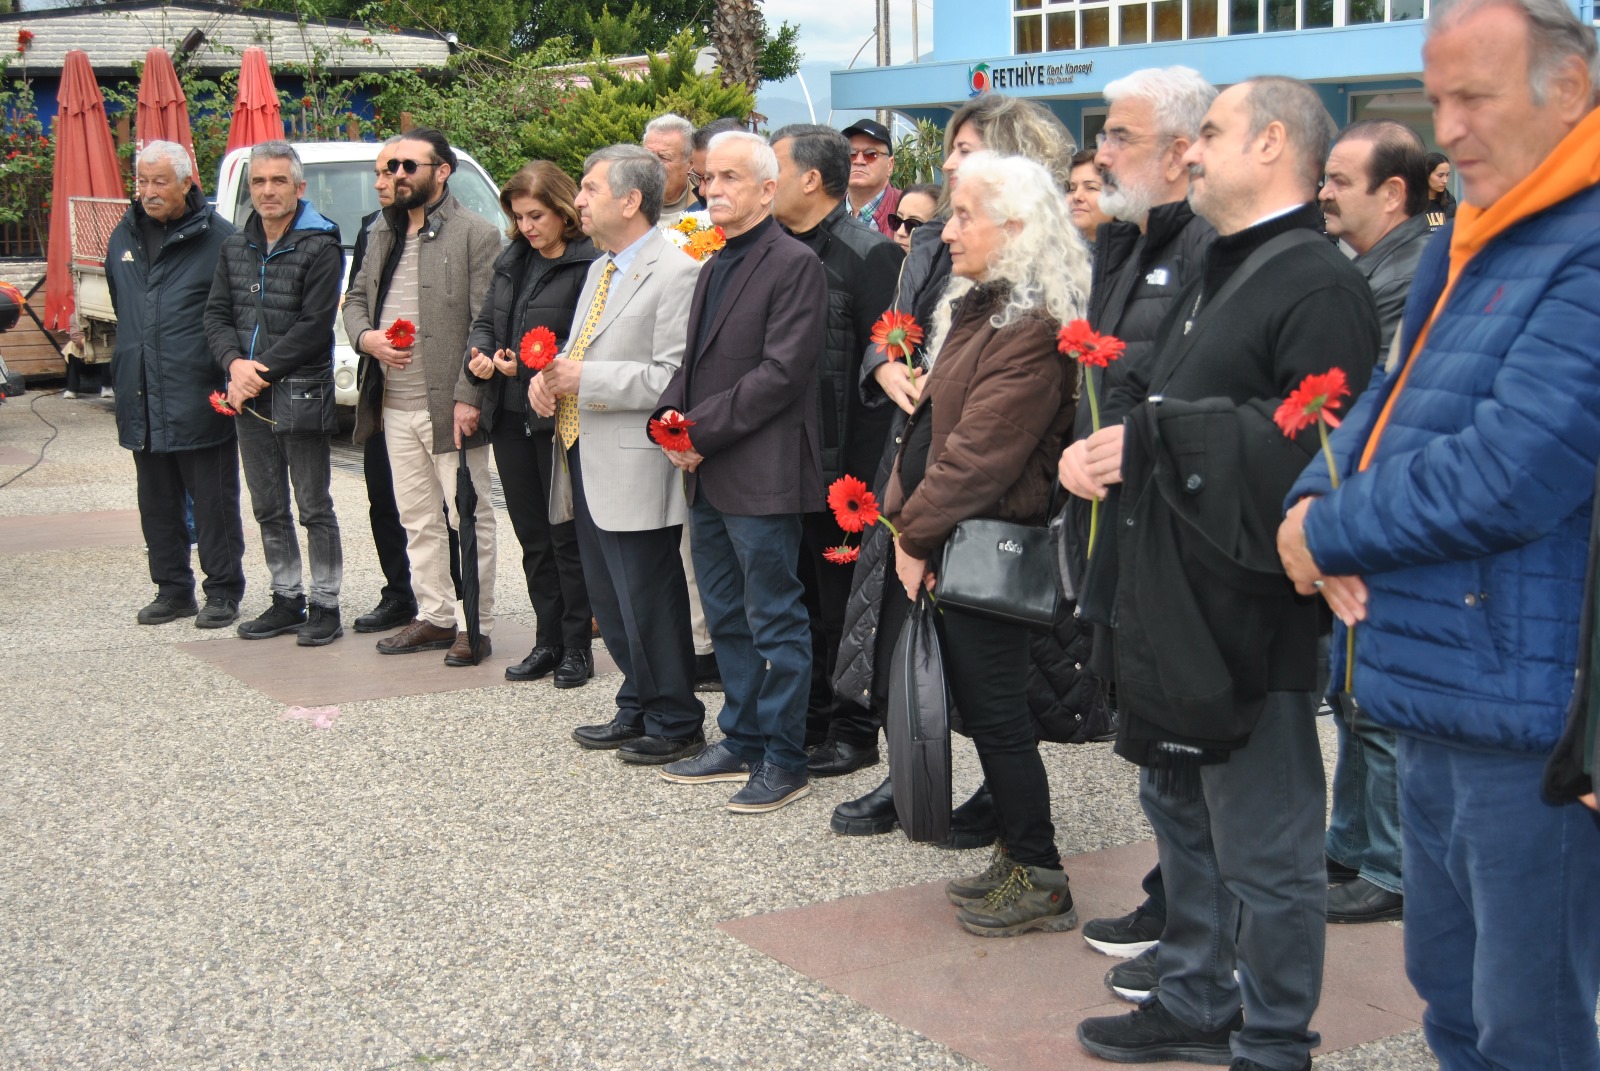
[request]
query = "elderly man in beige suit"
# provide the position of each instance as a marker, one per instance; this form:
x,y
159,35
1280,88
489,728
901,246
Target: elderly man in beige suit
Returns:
x,y
627,342
429,260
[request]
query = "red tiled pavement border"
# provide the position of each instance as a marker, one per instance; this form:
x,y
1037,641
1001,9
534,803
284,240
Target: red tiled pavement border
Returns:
x,y
1014,1005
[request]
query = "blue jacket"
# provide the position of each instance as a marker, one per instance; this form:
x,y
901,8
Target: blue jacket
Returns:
x,y
1471,526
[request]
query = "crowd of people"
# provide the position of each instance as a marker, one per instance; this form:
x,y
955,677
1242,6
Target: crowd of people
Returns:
x,y
666,428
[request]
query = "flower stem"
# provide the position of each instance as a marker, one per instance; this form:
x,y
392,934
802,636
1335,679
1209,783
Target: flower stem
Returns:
x,y
1094,423
1327,452
1350,632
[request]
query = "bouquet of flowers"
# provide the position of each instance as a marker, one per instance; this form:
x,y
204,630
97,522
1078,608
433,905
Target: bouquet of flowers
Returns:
x,y
696,235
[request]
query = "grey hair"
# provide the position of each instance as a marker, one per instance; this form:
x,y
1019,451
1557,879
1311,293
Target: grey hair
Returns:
x,y
672,123
172,153
1045,264
1307,125
279,150
763,161
821,149
633,167
1554,33
1178,96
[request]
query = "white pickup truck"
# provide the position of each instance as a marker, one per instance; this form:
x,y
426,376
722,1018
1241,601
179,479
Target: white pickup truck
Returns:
x,y
338,184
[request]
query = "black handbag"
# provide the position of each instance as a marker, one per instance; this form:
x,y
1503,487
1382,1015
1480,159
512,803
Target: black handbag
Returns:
x,y
1001,570
917,728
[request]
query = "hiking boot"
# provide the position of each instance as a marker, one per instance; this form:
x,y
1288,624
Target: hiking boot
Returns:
x,y
968,892
1127,935
166,608
1030,898
1135,979
389,613
1150,1033
218,613
284,615
322,626
769,788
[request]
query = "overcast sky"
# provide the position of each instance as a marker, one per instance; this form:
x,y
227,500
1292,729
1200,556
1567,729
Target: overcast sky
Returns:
x,y
832,30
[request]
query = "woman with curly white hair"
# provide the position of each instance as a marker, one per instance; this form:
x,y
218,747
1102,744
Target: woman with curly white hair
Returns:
x,y
981,442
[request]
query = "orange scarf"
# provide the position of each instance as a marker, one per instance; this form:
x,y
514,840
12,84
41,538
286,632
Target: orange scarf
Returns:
x,y
1571,168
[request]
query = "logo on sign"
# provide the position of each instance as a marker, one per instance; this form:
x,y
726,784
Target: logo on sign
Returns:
x,y
978,80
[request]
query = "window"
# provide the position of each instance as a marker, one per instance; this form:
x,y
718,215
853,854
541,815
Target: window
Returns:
x,y
1202,18
1030,34
1133,24
1167,20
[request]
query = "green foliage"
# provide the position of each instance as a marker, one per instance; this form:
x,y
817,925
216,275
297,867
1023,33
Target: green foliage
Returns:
x,y
917,156
616,106
617,36
27,157
659,23
780,55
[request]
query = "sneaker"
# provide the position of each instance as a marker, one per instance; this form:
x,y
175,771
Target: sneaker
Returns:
x,y
322,626
284,615
218,613
1030,898
1150,1033
166,608
107,392
1241,1063
965,892
1126,936
69,395
1136,978
715,763
769,788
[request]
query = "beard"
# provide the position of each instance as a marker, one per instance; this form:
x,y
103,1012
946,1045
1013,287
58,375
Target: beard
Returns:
x,y
419,194
1126,199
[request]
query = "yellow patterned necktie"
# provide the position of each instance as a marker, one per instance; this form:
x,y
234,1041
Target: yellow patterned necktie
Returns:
x,y
567,404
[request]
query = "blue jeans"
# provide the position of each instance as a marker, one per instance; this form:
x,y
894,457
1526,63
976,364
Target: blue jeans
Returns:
x,y
1502,926
752,596
273,462
1364,829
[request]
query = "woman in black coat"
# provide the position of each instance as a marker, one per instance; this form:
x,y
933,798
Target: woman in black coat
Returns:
x,y
536,285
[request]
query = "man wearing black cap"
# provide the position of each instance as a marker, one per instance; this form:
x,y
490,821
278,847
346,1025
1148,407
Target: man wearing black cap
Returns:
x,y
871,197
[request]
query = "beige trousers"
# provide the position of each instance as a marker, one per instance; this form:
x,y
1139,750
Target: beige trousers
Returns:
x,y
422,479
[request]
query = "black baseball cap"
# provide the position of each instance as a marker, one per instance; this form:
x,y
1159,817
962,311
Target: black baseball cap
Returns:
x,y
872,129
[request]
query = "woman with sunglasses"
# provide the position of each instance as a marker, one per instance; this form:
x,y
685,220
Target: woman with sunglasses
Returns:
x,y
536,284
917,206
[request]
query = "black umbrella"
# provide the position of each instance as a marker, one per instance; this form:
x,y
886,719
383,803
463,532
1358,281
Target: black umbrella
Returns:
x,y
917,725
467,512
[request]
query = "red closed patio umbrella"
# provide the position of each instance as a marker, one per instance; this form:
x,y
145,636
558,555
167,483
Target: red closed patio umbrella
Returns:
x,y
163,113
86,166
256,117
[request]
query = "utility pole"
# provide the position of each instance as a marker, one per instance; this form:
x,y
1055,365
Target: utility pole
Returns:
x,y
883,49
916,46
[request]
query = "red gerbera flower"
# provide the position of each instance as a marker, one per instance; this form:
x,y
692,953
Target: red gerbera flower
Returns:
x,y
841,555
1084,345
219,402
1314,399
897,334
538,348
24,39
402,334
853,503
671,432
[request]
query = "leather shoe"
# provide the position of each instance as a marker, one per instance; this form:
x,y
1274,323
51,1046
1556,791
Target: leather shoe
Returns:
x,y
613,734
462,654
707,674
577,666
388,614
660,750
834,758
871,814
540,661
974,824
1338,873
420,635
1362,901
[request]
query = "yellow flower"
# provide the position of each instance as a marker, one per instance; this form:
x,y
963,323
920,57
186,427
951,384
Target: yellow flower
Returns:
x,y
687,225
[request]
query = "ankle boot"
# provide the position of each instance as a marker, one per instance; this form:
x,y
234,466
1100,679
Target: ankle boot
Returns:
x,y
974,824
871,814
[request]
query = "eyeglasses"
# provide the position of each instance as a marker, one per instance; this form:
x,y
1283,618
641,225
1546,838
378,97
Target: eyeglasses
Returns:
x,y
696,177
394,167
1119,139
869,156
897,221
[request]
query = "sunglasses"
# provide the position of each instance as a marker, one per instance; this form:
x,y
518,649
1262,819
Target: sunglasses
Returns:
x,y
394,167
867,155
897,221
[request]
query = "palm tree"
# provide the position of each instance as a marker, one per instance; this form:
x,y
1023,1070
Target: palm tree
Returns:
x,y
737,31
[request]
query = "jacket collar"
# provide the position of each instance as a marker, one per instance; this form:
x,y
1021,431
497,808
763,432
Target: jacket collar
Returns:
x,y
307,220
196,209
1402,234
434,216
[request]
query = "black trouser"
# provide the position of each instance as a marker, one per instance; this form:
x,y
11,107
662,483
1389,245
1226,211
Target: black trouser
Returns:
x,y
210,476
827,590
388,534
551,563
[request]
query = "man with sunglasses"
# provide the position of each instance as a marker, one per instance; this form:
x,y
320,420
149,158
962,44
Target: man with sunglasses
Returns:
x,y
871,197
418,396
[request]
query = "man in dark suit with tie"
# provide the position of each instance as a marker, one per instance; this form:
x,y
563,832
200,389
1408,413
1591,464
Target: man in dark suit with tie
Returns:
x,y
752,468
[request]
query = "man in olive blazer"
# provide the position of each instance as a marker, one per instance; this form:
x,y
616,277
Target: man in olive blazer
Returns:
x,y
624,348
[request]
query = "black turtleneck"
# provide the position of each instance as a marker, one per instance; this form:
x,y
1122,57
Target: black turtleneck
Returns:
x,y
720,271
1228,252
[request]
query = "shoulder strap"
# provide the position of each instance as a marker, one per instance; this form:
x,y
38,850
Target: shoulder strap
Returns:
x,y
1194,324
